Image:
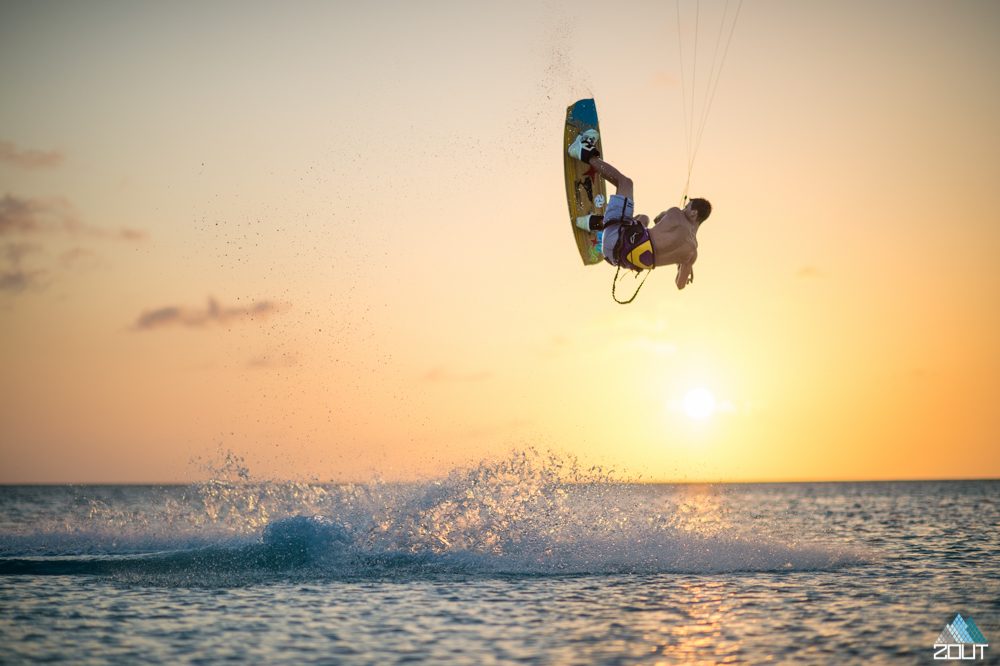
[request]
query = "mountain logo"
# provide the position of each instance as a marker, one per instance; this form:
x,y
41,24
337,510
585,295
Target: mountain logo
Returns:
x,y
956,637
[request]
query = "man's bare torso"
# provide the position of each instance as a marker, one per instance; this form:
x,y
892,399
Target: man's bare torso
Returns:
x,y
674,238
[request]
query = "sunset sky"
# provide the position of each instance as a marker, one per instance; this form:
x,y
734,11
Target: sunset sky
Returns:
x,y
333,238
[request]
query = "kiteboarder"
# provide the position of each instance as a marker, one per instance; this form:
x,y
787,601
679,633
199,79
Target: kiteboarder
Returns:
x,y
627,240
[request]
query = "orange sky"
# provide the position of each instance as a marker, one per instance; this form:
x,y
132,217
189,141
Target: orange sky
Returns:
x,y
335,241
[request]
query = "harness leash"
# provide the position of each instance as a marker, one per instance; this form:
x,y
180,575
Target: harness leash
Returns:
x,y
616,252
614,284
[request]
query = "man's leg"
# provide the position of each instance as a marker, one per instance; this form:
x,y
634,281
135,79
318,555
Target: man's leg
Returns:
x,y
622,183
619,206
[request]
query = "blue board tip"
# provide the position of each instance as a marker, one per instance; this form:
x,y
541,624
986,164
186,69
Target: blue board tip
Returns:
x,y
584,111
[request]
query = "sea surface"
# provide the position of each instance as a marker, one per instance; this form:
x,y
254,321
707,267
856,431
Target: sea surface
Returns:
x,y
526,560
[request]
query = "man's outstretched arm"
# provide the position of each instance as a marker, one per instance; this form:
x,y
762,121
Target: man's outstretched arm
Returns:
x,y
685,275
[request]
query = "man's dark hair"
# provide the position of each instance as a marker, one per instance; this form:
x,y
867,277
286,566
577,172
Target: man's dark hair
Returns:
x,y
703,207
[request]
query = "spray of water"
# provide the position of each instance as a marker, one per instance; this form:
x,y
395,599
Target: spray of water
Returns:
x,y
527,513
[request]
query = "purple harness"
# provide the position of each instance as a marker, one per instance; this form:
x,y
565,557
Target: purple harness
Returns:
x,y
633,234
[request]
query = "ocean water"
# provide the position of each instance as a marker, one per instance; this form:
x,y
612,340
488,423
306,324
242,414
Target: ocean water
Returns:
x,y
525,560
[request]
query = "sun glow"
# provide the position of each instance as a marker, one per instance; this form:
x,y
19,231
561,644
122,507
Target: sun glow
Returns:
x,y
699,403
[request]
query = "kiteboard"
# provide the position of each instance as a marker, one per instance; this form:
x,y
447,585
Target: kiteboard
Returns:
x,y
585,191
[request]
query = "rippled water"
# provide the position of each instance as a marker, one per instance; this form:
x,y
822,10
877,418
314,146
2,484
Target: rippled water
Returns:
x,y
524,560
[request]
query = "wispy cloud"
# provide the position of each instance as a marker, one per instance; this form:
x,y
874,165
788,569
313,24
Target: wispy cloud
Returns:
x,y
29,158
13,277
441,374
27,215
15,252
17,280
199,318
28,225
77,256
127,234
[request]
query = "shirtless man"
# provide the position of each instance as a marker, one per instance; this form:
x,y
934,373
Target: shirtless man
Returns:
x,y
628,241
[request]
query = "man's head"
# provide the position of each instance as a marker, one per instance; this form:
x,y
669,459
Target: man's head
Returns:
x,y
703,207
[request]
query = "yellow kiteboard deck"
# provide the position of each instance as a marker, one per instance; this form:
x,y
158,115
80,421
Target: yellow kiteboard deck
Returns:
x,y
584,187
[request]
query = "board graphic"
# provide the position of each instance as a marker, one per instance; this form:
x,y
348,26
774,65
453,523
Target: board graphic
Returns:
x,y
585,191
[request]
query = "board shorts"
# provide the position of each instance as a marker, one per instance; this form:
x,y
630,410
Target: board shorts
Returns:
x,y
625,241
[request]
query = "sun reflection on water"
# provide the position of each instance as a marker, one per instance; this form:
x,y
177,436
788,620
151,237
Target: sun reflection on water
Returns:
x,y
702,638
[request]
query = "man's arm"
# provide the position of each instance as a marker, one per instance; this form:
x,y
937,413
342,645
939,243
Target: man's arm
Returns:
x,y
685,275
685,271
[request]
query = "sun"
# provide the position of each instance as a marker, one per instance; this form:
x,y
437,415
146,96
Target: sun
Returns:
x,y
699,403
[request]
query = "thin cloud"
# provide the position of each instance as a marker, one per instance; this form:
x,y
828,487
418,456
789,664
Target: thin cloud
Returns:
x,y
131,234
76,256
200,318
15,252
20,215
29,158
13,277
440,374
26,216
18,280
